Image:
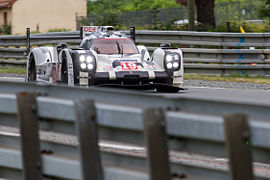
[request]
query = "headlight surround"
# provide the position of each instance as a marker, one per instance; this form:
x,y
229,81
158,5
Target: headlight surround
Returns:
x,y
87,62
172,61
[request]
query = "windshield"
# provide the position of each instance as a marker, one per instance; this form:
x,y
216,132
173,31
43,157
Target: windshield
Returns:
x,y
114,46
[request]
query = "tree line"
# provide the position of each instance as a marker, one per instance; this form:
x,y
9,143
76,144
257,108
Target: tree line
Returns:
x,y
204,8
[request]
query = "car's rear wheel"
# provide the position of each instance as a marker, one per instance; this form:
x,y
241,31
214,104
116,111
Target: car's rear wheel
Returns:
x,y
32,73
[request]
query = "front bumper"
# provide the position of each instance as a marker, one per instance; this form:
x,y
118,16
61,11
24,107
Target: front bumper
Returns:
x,y
130,78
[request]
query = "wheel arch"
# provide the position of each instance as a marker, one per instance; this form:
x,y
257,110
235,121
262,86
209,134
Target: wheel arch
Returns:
x,y
40,56
158,58
65,58
30,66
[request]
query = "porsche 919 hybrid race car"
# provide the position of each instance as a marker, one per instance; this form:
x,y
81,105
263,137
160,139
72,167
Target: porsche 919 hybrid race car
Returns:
x,y
107,57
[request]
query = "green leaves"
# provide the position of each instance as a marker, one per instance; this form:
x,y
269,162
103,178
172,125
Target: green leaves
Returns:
x,y
111,6
154,4
264,11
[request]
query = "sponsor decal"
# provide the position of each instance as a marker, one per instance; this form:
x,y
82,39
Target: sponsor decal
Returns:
x,y
58,67
107,67
126,60
129,65
89,29
54,73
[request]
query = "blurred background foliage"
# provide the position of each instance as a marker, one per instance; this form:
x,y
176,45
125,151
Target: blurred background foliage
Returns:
x,y
112,6
264,10
230,15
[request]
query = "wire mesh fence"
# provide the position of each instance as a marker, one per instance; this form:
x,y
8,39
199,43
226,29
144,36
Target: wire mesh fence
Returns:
x,y
138,18
237,11
224,12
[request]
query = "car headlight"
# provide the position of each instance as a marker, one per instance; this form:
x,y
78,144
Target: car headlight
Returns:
x,y
83,65
87,62
82,58
169,65
175,64
169,58
89,59
90,66
172,61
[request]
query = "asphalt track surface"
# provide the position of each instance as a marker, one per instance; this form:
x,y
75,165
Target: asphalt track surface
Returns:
x,y
207,91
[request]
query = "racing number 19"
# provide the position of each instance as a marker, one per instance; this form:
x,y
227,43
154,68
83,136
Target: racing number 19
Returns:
x,y
129,65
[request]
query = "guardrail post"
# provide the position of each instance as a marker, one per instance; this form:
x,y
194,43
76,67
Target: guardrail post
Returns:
x,y
88,140
81,32
238,147
156,142
29,130
28,45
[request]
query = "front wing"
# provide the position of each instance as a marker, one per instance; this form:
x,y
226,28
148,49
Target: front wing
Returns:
x,y
126,78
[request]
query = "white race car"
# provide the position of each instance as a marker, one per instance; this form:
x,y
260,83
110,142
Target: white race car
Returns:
x,y
107,57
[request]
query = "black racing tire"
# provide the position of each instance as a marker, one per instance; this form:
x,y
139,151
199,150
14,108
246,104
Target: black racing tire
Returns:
x,y
32,72
64,69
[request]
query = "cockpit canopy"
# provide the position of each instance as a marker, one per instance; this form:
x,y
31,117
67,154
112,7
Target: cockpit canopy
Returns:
x,y
111,46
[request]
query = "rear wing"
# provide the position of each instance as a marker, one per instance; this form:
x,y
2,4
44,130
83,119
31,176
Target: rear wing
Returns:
x,y
85,31
88,30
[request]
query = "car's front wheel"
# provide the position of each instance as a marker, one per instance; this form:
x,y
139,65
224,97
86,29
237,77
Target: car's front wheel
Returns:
x,y
64,69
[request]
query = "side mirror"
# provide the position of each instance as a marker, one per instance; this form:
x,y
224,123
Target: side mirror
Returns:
x,y
61,45
165,45
132,33
143,53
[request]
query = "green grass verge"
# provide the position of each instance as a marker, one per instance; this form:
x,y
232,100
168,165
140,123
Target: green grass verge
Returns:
x,y
12,71
231,78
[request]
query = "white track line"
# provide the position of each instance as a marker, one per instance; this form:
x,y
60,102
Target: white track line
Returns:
x,y
204,87
12,79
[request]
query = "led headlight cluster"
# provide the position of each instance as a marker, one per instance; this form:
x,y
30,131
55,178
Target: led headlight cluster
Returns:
x,y
172,61
87,62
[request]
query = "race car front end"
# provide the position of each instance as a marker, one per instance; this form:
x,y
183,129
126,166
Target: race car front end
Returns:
x,y
134,79
111,58
127,71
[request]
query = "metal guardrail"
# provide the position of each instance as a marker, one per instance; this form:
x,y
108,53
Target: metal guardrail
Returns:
x,y
193,125
198,58
205,38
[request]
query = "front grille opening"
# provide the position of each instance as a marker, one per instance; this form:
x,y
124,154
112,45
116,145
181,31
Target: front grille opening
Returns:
x,y
131,76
